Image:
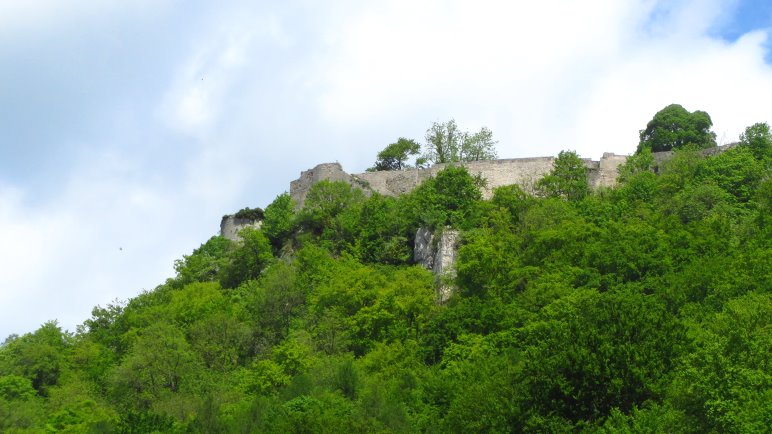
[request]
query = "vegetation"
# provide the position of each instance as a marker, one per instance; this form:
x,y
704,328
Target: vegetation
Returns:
x,y
445,143
641,308
674,127
250,214
394,156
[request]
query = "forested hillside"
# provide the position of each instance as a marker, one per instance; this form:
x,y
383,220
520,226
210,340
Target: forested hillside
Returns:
x,y
643,308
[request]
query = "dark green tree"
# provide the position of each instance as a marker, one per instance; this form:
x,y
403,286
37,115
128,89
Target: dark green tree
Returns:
x,y
395,155
674,127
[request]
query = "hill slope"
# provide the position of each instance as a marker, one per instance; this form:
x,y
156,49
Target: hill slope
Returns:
x,y
645,307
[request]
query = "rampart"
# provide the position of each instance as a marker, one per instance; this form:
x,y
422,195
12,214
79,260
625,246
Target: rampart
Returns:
x,y
524,172
230,226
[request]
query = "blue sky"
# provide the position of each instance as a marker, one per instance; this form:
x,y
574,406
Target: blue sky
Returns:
x,y
137,125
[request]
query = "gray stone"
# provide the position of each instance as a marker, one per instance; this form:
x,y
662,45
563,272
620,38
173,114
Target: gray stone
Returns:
x,y
230,226
445,264
439,257
423,250
524,172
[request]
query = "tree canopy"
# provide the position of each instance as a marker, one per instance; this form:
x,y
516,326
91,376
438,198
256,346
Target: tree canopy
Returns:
x,y
674,127
446,143
395,155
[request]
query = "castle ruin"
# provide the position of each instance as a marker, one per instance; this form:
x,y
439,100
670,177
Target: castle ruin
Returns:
x,y
524,172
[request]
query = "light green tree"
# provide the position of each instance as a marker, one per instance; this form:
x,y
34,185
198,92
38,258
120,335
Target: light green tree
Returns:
x,y
446,143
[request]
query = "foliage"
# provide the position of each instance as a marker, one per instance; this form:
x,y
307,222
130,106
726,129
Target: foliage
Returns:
x,y
445,143
279,220
758,138
450,198
674,127
395,155
250,214
567,179
248,260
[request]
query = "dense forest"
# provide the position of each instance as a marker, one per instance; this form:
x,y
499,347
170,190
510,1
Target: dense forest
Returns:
x,y
641,308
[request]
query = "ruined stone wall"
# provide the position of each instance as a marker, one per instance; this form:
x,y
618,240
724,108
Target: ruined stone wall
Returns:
x,y
230,226
524,172
325,171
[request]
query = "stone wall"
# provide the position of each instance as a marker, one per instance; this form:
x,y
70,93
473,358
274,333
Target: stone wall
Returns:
x,y
230,226
524,172
325,171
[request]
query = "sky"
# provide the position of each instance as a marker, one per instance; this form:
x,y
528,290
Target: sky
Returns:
x,y
128,129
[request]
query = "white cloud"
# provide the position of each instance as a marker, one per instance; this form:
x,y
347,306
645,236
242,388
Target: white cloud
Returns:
x,y
546,76
218,64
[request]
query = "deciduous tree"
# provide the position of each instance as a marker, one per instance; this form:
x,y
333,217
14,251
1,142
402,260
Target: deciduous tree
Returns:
x,y
674,127
395,155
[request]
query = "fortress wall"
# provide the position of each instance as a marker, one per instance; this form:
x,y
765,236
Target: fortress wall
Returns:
x,y
396,182
524,172
325,171
230,226
607,170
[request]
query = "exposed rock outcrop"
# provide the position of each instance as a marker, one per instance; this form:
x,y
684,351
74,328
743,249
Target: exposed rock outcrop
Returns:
x,y
438,254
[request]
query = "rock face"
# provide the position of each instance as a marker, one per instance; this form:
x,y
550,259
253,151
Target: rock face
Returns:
x,y
439,256
423,250
230,226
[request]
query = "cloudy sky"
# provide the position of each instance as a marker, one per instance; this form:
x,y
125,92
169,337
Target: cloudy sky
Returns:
x,y
128,128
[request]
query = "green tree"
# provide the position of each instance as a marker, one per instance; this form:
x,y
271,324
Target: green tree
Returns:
x,y
758,138
21,410
326,200
567,179
478,146
674,127
445,143
248,260
447,199
279,220
395,155
205,264
159,362
593,352
40,356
